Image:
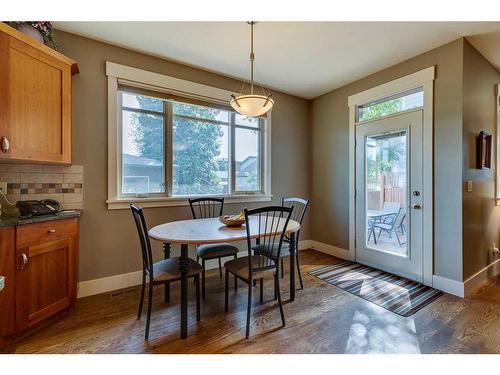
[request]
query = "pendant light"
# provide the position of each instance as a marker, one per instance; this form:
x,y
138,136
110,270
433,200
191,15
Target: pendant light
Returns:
x,y
252,105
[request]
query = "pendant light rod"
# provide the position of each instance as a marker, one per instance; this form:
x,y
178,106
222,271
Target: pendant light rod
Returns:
x,y
252,55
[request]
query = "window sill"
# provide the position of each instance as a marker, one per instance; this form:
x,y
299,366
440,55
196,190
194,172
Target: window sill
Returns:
x,y
124,203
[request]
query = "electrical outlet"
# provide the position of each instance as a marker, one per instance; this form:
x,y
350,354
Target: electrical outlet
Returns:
x,y
3,187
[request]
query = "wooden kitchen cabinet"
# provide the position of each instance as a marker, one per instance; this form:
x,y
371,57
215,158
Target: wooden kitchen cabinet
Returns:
x,y
35,110
45,270
40,263
7,269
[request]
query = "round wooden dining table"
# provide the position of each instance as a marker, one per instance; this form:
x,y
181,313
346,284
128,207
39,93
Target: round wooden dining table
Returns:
x,y
205,231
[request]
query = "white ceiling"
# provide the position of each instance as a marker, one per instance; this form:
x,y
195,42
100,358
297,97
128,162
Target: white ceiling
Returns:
x,y
306,59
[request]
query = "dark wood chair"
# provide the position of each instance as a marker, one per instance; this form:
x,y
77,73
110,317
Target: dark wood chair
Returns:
x,y
203,208
264,254
159,273
299,212
299,206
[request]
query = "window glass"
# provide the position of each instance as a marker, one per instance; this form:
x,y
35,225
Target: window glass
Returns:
x,y
397,103
200,156
142,153
201,148
208,113
247,161
247,121
141,102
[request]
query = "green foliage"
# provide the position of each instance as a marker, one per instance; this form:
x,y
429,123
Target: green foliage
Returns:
x,y
388,153
381,109
197,145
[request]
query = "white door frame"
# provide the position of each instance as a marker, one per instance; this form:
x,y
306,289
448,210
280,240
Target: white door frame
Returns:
x,y
423,78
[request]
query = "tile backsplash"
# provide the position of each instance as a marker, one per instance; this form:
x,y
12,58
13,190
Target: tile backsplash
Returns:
x,y
34,181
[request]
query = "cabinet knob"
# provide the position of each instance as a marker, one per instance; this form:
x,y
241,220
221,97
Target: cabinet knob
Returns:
x,y
25,261
4,144
51,231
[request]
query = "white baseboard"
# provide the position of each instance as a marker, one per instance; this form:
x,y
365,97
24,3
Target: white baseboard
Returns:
x,y
331,250
467,287
448,285
127,280
475,281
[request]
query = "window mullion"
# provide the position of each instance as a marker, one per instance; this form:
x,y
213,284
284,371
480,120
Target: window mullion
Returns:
x,y
169,140
232,154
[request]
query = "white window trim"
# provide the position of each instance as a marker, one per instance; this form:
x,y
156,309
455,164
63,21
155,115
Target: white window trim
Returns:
x,y
423,78
497,166
154,81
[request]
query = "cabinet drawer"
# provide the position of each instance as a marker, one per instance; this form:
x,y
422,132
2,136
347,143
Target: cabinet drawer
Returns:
x,y
47,231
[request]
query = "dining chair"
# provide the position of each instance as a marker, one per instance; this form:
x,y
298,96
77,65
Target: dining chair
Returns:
x,y
203,208
159,273
265,236
300,206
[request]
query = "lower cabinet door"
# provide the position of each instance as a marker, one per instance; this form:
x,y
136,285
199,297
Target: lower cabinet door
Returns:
x,y
45,282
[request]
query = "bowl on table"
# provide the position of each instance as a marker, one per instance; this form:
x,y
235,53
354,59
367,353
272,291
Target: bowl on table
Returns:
x,y
232,220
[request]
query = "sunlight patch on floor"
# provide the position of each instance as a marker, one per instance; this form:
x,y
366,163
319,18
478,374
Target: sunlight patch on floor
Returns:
x,y
380,331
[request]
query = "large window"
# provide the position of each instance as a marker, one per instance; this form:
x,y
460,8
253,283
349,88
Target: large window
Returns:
x,y
175,147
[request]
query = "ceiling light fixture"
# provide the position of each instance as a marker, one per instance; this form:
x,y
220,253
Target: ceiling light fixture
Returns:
x,y
252,105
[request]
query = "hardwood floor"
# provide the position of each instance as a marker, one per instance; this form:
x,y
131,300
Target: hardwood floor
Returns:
x,y
323,319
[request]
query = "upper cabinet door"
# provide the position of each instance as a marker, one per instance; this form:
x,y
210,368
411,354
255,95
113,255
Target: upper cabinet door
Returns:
x,y
35,124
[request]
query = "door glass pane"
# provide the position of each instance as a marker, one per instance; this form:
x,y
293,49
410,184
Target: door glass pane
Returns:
x,y
386,182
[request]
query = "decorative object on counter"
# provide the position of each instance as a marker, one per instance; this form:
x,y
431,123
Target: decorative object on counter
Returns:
x,y
8,209
484,150
42,31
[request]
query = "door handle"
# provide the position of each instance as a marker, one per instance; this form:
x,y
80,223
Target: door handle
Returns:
x,y
416,206
4,144
25,261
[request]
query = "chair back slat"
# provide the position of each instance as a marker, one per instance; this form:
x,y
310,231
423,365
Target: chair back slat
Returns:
x,y
142,230
268,227
299,206
204,208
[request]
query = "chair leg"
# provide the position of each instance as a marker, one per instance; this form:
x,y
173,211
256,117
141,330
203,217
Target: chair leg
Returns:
x,y
277,281
261,281
235,278
203,278
198,312
143,289
226,292
220,269
298,270
150,303
275,284
249,309
282,269
167,292
397,236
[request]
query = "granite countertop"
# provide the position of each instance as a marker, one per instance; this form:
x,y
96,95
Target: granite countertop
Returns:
x,y
15,221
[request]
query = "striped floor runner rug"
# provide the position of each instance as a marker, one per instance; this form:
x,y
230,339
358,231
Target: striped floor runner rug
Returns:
x,y
394,293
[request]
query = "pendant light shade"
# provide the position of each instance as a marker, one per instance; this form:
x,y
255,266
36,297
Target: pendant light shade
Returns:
x,y
252,105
